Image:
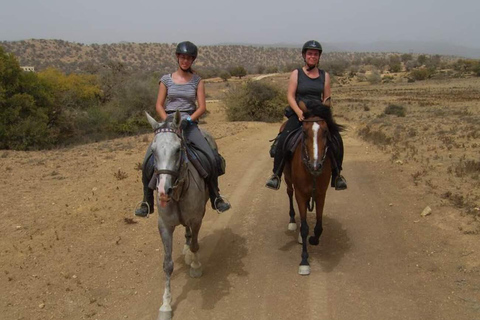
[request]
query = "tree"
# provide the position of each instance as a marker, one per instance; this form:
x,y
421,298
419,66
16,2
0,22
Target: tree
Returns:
x,y
238,71
225,75
26,108
422,59
406,57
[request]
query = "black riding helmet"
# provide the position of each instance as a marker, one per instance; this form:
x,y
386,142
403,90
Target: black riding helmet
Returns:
x,y
311,45
188,48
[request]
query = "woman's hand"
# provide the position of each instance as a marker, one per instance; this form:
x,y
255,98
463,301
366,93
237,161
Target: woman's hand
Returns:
x,y
300,115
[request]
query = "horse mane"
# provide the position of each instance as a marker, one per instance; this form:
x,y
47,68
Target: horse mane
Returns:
x,y
317,109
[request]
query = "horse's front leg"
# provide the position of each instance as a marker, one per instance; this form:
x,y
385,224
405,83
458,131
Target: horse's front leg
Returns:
x,y
195,265
304,268
166,233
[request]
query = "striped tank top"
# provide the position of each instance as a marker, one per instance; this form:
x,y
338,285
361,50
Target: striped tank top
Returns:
x,y
181,97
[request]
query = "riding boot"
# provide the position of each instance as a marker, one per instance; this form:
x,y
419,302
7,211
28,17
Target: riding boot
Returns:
x,y
278,164
147,205
218,203
338,181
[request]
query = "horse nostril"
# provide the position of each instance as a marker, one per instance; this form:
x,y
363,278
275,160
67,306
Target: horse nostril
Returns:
x,y
169,191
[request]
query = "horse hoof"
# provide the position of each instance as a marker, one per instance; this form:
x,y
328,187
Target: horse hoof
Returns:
x,y
196,272
304,270
314,241
165,315
292,226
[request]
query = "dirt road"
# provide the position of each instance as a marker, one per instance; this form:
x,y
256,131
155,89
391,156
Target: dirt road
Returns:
x,y
70,249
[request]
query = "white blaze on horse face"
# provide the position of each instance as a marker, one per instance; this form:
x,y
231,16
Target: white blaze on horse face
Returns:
x,y
315,128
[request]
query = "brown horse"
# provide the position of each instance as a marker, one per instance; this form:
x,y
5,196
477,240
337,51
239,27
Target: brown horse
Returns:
x,y
308,174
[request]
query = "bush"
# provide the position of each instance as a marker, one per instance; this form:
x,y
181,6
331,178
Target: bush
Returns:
x,y
421,73
397,110
374,78
255,101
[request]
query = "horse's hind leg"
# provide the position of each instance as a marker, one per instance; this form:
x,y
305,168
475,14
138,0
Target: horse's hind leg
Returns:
x,y
320,202
315,239
292,226
186,247
167,236
195,265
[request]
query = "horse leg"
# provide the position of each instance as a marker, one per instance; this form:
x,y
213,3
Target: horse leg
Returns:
x,y
166,233
195,265
320,202
186,247
315,239
304,268
292,226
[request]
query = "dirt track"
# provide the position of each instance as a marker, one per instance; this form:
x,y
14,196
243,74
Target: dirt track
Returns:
x,y
67,251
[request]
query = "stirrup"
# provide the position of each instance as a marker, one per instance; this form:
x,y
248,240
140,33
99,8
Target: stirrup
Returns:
x,y
217,200
274,182
340,183
139,206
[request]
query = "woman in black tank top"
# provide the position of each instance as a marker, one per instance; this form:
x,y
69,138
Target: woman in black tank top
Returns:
x,y
306,84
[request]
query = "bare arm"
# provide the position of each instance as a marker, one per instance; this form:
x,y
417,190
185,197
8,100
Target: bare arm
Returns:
x,y
292,89
327,91
162,95
201,103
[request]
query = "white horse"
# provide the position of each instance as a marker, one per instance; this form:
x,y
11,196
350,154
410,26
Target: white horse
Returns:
x,y
181,198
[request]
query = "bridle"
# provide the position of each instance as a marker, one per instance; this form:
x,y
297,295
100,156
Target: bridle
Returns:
x,y
305,155
174,174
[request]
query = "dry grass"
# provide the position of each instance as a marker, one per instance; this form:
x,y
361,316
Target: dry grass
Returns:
x,y
438,137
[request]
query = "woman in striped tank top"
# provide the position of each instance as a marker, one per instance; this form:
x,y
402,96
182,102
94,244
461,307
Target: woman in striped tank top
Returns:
x,y
182,91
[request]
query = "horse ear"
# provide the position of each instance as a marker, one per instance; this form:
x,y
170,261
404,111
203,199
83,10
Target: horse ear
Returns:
x,y
302,106
152,121
177,119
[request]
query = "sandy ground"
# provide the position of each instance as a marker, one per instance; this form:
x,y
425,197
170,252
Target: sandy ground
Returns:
x,y
71,247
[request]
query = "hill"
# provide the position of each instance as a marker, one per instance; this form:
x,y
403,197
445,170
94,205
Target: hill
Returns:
x,y
159,57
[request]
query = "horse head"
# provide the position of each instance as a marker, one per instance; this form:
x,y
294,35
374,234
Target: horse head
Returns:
x,y
168,149
315,139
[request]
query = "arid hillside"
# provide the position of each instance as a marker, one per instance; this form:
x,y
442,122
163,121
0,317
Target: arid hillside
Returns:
x,y
158,57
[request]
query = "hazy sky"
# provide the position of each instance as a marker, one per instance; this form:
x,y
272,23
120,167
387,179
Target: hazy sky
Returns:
x,y
241,21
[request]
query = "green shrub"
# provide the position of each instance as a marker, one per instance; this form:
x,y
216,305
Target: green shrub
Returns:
x,y
397,110
255,101
421,73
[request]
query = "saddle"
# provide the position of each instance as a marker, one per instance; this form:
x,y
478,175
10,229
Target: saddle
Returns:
x,y
291,141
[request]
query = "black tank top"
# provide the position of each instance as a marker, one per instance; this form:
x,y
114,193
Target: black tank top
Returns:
x,y
308,88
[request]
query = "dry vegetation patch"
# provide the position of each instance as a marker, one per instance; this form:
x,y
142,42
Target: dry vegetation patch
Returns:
x,y
430,127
